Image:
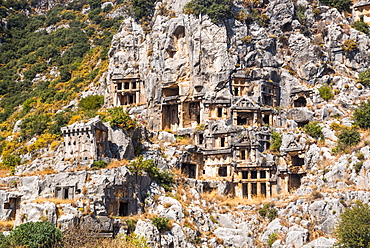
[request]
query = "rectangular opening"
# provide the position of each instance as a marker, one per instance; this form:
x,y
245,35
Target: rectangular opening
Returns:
x,y
201,138
127,85
189,170
167,92
262,174
243,154
263,189
297,161
266,119
244,174
131,99
65,193
245,189
236,91
244,118
222,171
194,112
123,209
119,86
170,117
253,174
222,144
11,207
254,189
134,85
219,112
294,182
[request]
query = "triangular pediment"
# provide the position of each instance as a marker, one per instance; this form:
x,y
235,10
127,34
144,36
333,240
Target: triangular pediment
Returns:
x,y
245,103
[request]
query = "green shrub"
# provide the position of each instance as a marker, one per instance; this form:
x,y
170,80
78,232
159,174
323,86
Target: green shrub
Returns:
x,y
357,166
163,178
131,225
314,130
364,78
60,120
361,26
34,125
35,235
143,9
353,228
276,141
362,115
120,118
341,5
91,102
326,92
162,224
11,160
268,211
96,165
272,238
217,11
349,137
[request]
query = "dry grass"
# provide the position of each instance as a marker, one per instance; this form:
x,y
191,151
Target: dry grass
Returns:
x,y
56,201
46,171
184,140
4,172
6,225
117,164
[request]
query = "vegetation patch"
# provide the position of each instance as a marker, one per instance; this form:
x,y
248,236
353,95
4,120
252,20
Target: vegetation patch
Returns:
x,y
268,211
353,228
314,130
326,92
218,10
162,224
163,178
33,235
362,115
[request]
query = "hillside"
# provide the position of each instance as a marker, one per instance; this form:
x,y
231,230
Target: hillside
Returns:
x,y
188,123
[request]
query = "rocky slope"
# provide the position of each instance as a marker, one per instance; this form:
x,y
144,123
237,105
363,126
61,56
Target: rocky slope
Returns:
x,y
299,47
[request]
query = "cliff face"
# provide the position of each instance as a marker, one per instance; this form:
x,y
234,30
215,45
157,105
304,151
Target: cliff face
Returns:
x,y
214,99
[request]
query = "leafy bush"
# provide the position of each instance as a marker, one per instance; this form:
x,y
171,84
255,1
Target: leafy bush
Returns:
x,y
340,5
163,178
362,115
162,224
353,229
96,165
34,125
272,238
143,9
326,93
361,26
34,235
120,118
131,225
357,166
60,120
268,211
276,141
217,10
314,130
91,103
349,137
364,77
10,160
